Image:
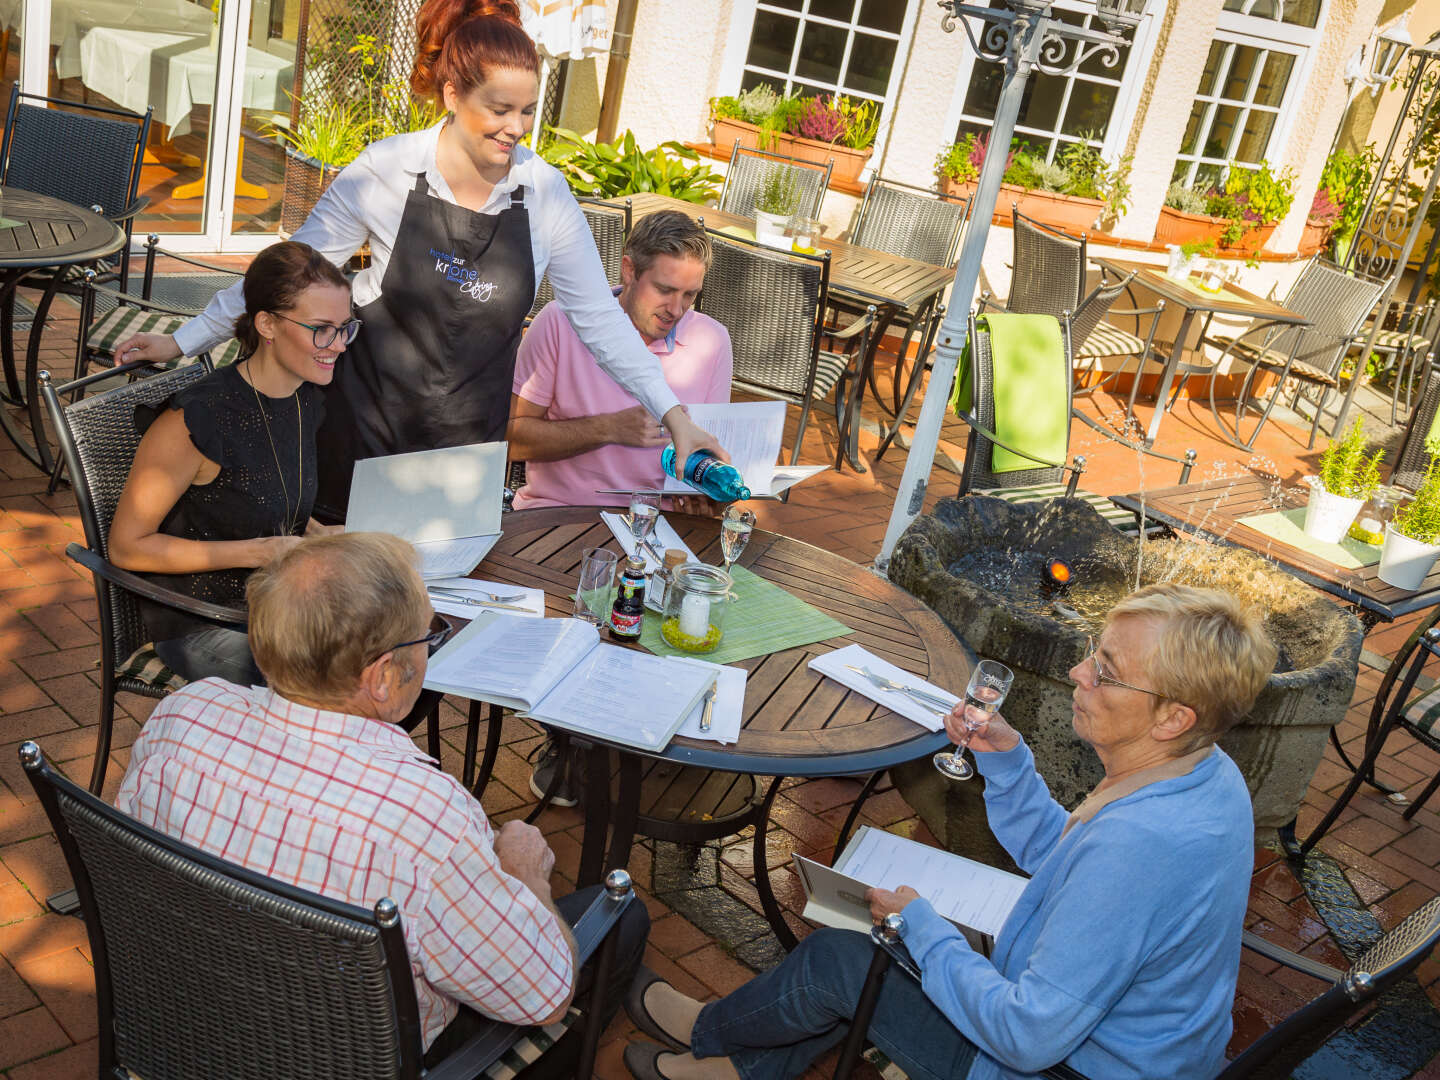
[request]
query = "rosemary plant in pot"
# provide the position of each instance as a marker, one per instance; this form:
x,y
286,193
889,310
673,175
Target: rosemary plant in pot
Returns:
x,y
776,200
1412,539
1348,477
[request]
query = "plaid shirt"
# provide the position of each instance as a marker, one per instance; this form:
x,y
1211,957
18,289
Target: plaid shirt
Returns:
x,y
348,807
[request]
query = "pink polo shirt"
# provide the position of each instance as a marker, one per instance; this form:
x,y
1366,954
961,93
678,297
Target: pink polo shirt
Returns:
x,y
555,370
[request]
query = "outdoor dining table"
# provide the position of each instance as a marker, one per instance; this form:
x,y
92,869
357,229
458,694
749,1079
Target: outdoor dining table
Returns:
x,y
858,275
796,723
1231,300
38,232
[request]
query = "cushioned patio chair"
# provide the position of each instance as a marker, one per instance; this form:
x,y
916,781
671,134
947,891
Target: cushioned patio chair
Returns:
x,y
1408,341
749,168
205,968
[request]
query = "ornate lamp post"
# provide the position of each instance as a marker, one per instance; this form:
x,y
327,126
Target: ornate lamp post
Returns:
x,y
1025,38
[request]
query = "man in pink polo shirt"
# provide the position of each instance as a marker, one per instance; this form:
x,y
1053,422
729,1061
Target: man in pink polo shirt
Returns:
x,y
577,431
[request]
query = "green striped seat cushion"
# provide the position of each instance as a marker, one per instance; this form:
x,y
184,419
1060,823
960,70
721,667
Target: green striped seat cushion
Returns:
x,y
146,666
1424,711
828,371
1108,340
120,322
1395,340
532,1044
1118,517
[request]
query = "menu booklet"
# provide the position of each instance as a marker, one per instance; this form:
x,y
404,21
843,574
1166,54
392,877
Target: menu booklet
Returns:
x,y
975,897
558,671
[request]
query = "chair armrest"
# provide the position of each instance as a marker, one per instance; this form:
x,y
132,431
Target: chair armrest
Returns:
x,y
993,438
1292,960
134,583
130,211
862,323
591,929
987,301
1134,311
1113,437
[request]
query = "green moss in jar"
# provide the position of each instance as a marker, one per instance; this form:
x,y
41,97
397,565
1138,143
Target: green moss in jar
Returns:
x,y
678,639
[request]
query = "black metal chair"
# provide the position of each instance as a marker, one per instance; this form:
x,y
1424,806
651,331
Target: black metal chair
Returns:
x,y
1048,479
773,304
1275,1054
1335,304
610,225
748,169
1408,340
88,155
205,968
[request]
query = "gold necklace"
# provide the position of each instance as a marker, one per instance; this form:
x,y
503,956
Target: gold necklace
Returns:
x,y
291,521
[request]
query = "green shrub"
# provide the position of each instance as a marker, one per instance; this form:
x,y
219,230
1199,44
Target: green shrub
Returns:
x,y
779,193
1263,194
1419,519
1345,469
1346,180
726,108
606,170
959,161
333,135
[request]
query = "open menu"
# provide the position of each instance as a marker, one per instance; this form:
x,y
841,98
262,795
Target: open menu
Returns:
x,y
558,671
975,897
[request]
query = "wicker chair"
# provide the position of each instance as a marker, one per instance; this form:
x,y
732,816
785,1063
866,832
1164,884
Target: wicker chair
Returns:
x,y
773,304
88,155
205,968
610,225
1101,339
1335,304
1414,457
1048,480
1275,1054
1408,341
748,168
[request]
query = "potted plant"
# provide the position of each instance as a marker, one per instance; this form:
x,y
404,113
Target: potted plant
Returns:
x,y
820,128
321,143
776,201
1240,216
1339,199
1184,258
1348,477
1412,539
608,170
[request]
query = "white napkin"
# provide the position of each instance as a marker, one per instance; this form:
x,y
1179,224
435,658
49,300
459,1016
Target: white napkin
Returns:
x,y
832,666
729,704
533,602
662,538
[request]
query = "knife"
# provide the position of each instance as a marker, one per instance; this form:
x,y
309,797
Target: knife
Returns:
x,y
709,710
460,598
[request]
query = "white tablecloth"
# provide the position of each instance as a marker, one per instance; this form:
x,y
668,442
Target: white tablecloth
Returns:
x,y
71,20
174,72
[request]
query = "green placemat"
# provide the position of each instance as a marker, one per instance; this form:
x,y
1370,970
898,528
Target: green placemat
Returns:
x,y
1287,526
763,618
737,231
1219,294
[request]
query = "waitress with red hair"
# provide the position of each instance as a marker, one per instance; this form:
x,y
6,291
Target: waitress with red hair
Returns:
x,y
462,221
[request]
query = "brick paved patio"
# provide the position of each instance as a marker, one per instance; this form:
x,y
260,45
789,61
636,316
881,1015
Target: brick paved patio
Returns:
x,y
48,691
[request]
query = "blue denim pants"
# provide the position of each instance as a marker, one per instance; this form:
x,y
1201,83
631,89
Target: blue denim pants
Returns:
x,y
216,651
774,1026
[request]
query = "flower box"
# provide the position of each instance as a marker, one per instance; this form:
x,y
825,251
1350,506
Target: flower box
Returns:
x,y
849,164
1069,213
1178,227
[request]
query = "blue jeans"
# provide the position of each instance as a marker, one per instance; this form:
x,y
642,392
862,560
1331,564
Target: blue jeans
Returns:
x,y
775,1025
218,651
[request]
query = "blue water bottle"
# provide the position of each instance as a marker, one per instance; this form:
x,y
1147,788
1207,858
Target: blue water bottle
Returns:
x,y
705,471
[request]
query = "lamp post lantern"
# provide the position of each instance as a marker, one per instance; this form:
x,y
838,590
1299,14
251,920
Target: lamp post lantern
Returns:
x,y
1024,37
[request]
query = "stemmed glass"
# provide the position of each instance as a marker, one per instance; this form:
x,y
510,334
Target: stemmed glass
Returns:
x,y
644,512
989,683
735,528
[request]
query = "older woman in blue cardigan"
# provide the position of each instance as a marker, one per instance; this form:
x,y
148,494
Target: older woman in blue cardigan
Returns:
x,y
1121,955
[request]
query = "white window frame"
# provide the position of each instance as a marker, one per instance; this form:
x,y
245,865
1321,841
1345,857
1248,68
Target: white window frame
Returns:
x,y
1127,100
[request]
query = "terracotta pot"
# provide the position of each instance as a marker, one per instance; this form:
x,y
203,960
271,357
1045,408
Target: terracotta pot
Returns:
x,y
305,181
1178,227
848,163
1252,240
1314,238
728,131
1069,213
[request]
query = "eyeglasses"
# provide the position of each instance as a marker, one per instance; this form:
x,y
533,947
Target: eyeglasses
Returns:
x,y
323,334
1101,679
432,640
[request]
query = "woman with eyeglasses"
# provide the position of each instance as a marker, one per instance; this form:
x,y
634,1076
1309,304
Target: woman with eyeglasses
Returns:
x,y
462,222
225,477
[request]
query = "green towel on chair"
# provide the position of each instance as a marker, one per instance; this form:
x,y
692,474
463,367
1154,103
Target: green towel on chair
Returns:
x,y
1030,379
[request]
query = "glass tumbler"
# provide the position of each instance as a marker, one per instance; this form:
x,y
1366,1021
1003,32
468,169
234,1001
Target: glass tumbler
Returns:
x,y
594,591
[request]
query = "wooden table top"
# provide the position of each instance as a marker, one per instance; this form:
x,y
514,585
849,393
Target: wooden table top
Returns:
x,y
1239,302
1213,509
858,273
796,722
52,232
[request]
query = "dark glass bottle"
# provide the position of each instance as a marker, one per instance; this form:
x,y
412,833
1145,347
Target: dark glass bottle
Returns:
x,y
629,606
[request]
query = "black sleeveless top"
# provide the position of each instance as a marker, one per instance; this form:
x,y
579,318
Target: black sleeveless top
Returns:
x,y
247,498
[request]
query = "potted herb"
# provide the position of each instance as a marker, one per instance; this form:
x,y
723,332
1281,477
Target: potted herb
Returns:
x,y
1183,258
1412,539
819,128
1241,215
1348,477
776,201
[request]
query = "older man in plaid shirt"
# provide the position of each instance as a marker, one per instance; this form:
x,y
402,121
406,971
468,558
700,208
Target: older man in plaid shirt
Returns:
x,y
312,782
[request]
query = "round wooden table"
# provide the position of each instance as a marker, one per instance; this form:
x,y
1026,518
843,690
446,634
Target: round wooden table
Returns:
x,y
50,235
796,721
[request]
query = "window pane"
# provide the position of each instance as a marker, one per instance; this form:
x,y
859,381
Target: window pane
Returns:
x,y
1207,176
1212,67
984,92
1192,128
882,15
752,79
821,50
1181,171
1242,66
871,59
1256,136
1274,78
793,5
1097,67
1296,12
1041,108
1222,129
1091,105
843,10
772,40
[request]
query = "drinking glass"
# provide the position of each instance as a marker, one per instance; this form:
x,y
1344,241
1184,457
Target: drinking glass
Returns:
x,y
597,580
644,512
735,528
989,683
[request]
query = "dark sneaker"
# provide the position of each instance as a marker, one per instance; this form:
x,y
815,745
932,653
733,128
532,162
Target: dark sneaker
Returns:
x,y
547,758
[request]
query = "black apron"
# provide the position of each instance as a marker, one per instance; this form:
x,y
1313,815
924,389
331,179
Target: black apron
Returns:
x,y
434,362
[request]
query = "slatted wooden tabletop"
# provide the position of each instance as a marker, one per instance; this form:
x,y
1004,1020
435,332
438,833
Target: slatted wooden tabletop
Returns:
x,y
1232,300
796,722
856,273
1213,509
51,232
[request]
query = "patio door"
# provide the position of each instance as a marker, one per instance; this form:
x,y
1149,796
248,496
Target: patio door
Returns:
x,y
215,75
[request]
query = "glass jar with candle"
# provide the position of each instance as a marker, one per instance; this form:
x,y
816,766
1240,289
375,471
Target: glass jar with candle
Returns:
x,y
1369,526
695,604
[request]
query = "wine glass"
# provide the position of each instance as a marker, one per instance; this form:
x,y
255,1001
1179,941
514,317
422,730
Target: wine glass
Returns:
x,y
735,528
989,683
644,512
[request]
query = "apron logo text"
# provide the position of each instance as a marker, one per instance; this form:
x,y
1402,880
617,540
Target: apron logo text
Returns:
x,y
467,279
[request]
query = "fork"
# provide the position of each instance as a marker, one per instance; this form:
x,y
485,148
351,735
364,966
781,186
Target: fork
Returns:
x,y
494,598
880,681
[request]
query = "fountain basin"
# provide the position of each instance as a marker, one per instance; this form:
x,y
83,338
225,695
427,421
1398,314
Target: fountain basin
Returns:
x,y
994,603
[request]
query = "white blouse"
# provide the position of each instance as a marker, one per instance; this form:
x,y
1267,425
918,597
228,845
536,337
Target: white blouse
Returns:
x,y
366,201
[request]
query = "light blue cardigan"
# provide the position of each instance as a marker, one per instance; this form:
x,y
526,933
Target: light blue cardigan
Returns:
x,y
1120,956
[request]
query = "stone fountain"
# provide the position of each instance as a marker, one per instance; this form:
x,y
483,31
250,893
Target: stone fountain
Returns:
x,y
979,563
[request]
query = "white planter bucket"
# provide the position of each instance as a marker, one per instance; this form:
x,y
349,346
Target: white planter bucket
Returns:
x,y
770,229
1328,516
1404,562
1178,264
